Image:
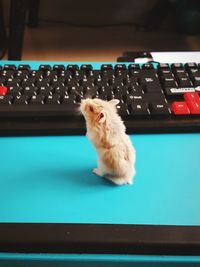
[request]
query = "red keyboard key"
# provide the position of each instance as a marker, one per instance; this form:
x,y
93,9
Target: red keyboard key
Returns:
x,y
180,108
191,97
193,102
3,90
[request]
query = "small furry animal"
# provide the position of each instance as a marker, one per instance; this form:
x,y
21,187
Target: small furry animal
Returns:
x,y
106,131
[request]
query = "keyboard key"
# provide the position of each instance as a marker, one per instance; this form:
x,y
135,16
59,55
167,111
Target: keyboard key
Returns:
x,y
197,89
194,107
24,67
139,109
30,90
193,102
165,73
134,74
78,74
118,95
8,74
103,89
72,82
147,66
13,82
50,75
175,66
22,74
94,74
90,92
122,109
106,67
45,90
184,81
66,99
3,90
15,90
9,67
115,82
163,66
135,89
27,82
154,97
61,90
123,90
178,91
73,67
43,82
122,74
37,74
101,82
87,82
78,99
21,100
130,81
134,97
2,81
191,97
102,96
168,82
6,99
65,74
149,81
120,67
190,65
108,74
58,67
180,108
86,67
37,100
180,72
196,78
151,87
134,67
57,82
44,67
53,99
159,108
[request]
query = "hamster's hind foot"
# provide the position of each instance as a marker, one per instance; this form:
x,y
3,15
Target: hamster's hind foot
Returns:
x,y
120,181
97,172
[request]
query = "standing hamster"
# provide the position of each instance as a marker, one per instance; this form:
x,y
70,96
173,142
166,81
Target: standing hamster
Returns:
x,y
106,131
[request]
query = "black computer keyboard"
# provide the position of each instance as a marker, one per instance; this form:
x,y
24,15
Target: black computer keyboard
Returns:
x,y
154,98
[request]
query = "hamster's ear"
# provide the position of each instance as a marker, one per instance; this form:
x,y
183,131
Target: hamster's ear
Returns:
x,y
114,102
101,117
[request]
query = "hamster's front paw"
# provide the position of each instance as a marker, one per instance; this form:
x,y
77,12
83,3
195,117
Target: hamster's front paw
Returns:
x,y
122,181
97,172
130,182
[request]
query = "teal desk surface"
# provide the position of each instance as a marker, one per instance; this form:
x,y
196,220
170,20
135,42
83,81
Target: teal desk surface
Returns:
x,y
48,181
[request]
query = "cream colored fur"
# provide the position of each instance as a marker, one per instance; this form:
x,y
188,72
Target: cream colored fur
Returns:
x,y
106,131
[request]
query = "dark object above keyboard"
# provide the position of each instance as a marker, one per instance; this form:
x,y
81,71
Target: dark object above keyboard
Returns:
x,y
153,98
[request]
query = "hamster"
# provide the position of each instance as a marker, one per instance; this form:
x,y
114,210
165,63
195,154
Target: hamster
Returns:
x,y
106,131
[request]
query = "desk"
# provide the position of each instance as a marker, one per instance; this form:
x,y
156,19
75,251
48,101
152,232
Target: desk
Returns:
x,y
55,212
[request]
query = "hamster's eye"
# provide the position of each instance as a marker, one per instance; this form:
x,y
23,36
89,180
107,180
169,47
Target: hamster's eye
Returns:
x,y
91,109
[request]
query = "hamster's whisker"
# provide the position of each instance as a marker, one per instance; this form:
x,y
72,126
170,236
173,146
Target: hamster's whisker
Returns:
x,y
78,93
88,95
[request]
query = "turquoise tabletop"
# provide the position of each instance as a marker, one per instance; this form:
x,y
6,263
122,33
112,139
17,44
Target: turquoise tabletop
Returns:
x,y
50,179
